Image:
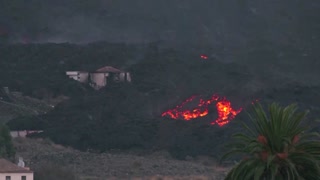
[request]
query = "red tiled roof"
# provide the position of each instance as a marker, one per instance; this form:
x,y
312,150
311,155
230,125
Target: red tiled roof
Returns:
x,y
109,69
9,167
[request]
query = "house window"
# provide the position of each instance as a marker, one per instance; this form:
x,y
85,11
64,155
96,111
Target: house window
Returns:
x,y
23,178
8,177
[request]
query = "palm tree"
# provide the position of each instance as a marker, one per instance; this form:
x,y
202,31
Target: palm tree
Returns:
x,y
276,147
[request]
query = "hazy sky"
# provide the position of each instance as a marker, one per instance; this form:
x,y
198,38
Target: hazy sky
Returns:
x,y
233,22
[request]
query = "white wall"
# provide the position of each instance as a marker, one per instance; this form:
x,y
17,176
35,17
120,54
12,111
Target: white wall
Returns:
x,y
23,133
75,77
128,77
99,79
78,76
83,77
122,76
73,74
16,176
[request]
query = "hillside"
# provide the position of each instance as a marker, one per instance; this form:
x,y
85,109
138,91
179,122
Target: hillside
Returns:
x,y
127,116
15,104
115,165
196,68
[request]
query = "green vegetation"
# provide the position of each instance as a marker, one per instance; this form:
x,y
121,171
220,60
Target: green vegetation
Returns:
x,y
6,147
278,145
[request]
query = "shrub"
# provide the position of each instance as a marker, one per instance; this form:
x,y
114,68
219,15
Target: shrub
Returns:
x,y
27,123
6,147
278,146
53,172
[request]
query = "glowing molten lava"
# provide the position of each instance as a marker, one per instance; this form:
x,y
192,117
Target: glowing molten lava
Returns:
x,y
223,106
225,112
203,56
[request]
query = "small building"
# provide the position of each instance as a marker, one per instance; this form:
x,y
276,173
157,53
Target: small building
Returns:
x,y
11,171
101,77
23,133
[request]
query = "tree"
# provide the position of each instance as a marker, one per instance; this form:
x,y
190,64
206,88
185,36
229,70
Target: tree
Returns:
x,y
278,146
6,146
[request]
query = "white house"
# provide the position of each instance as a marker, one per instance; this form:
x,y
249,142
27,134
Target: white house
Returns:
x,y
11,171
100,77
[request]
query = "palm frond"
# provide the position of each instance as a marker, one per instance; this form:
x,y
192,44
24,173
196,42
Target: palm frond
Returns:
x,y
279,147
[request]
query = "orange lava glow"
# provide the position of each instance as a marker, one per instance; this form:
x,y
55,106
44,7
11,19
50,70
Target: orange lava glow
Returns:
x,y
225,112
203,57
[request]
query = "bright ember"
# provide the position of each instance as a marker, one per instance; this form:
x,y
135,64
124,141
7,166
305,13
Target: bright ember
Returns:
x,y
203,56
225,112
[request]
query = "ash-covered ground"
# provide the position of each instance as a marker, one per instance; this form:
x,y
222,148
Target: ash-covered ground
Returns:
x,y
243,51
128,115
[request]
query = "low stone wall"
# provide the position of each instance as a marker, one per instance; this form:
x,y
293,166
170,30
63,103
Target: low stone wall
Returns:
x,y
23,133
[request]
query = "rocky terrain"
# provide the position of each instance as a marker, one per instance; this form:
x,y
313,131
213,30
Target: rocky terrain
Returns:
x,y
255,51
128,116
117,165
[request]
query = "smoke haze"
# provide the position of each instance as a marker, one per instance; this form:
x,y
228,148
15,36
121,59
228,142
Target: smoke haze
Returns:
x,y
203,22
